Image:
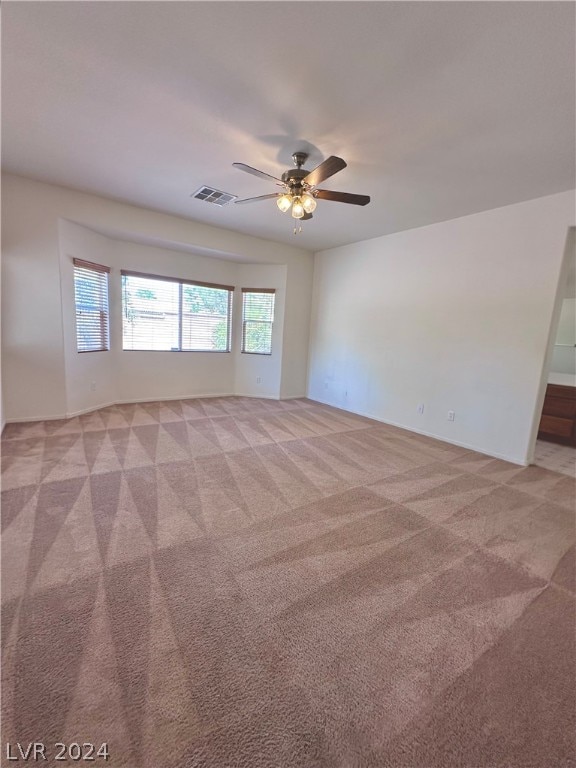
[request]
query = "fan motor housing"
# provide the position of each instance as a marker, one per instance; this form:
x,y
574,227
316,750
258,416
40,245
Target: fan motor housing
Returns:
x,y
295,175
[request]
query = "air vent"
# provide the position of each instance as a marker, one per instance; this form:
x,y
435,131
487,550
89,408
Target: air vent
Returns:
x,y
213,196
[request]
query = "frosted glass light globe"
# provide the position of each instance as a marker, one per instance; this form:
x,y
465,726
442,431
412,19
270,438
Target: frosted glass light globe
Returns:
x,y
309,203
298,208
284,202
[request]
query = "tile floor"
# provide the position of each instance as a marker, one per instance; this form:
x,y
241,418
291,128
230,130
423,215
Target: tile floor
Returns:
x,y
558,458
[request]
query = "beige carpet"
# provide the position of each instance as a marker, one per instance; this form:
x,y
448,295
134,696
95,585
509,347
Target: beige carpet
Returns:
x,y
237,583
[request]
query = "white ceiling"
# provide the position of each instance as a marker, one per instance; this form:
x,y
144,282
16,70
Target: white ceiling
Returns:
x,y
439,109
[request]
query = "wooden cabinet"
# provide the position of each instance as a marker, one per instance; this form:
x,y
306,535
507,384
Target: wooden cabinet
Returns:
x,y
558,421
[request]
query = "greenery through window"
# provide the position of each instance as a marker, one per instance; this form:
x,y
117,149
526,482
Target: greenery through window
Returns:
x,y
257,320
91,299
163,313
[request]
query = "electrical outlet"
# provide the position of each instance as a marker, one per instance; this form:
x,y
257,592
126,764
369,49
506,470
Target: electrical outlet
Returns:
x,y
451,415
420,409
92,386
258,379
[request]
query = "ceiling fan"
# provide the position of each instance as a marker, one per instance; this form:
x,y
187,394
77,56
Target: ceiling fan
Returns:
x,y
300,190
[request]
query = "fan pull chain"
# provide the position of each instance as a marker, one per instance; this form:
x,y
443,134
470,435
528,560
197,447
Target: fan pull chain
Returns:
x,y
297,231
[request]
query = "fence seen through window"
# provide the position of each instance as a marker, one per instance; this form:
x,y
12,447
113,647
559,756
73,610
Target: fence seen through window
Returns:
x,y
162,313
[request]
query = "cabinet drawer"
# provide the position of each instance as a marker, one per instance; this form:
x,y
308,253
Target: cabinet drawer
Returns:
x,y
553,425
559,406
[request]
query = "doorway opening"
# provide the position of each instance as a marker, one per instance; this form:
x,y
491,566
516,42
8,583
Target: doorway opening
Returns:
x,y
555,447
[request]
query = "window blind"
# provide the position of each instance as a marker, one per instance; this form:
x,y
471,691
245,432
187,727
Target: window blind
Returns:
x,y
92,314
257,320
165,313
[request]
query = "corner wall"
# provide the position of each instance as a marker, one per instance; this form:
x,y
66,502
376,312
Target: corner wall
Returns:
x,y
454,316
44,226
261,375
90,377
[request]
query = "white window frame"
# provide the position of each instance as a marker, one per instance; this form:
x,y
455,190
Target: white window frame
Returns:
x,y
181,282
102,307
246,321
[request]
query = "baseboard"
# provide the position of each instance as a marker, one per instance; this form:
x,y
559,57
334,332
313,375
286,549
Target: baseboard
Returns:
x,y
27,419
460,444
518,462
256,397
74,414
137,400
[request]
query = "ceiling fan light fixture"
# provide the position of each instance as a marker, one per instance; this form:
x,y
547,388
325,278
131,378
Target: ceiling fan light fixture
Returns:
x,y
309,203
300,187
298,209
284,202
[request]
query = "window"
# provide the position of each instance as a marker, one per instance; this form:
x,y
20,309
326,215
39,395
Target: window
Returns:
x,y
257,319
165,313
91,296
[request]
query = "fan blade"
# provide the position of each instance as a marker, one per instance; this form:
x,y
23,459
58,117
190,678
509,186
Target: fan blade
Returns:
x,y
328,168
255,199
341,197
256,172
306,217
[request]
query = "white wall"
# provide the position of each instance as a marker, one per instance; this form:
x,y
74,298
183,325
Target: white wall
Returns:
x,y
2,409
157,375
564,353
567,325
33,372
563,361
90,377
261,374
99,378
456,316
43,378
